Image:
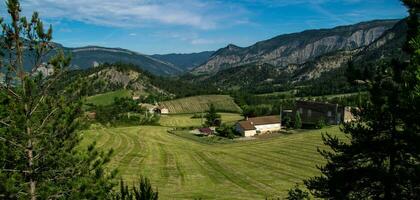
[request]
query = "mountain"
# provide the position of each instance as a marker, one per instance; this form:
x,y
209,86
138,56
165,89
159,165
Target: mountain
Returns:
x,y
91,56
187,61
332,66
388,46
297,48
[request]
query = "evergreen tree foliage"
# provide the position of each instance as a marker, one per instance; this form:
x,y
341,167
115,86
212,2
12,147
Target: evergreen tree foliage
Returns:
x,y
297,193
144,191
212,118
382,158
39,153
298,121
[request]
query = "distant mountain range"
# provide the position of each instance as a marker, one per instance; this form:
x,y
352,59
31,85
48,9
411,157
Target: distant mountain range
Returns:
x,y
185,61
163,65
295,57
303,57
91,56
297,48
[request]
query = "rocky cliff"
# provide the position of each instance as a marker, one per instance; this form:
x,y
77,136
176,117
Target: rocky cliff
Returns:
x,y
297,48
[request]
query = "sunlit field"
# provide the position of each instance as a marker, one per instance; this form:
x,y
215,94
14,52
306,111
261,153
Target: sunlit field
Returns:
x,y
186,169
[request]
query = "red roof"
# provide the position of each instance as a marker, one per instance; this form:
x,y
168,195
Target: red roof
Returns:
x,y
250,123
206,131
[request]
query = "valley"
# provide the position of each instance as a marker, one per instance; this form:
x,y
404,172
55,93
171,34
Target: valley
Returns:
x,y
185,169
269,100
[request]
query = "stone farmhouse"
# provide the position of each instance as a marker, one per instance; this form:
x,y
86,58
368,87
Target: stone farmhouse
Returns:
x,y
313,112
258,125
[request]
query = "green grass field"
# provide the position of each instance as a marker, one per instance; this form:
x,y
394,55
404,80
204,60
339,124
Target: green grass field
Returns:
x,y
185,120
197,104
182,168
107,98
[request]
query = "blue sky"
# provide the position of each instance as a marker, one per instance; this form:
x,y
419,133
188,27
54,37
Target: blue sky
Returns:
x,y
184,26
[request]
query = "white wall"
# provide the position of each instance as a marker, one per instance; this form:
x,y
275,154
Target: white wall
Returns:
x,y
268,127
250,133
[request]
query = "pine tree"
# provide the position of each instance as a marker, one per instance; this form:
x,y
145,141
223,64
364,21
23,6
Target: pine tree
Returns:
x,y
212,118
39,154
382,158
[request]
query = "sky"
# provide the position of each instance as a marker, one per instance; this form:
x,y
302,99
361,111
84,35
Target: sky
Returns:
x,y
185,26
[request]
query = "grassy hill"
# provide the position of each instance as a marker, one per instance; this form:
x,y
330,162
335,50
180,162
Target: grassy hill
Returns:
x,y
196,104
182,168
108,97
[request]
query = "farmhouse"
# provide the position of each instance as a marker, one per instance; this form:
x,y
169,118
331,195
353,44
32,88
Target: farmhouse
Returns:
x,y
313,112
258,125
154,108
149,107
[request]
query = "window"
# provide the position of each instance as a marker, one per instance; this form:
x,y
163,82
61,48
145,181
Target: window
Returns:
x,y
329,113
309,113
300,110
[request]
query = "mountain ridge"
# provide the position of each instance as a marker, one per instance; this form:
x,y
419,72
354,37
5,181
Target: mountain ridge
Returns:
x,y
297,48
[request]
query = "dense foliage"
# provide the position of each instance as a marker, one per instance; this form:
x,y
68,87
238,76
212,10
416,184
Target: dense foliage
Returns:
x,y
227,131
382,159
212,117
123,111
38,123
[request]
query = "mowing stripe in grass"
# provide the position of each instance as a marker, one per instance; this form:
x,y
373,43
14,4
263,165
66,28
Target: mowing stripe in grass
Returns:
x,y
229,175
295,164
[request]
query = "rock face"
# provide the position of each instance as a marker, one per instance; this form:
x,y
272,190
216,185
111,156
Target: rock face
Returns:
x,y
111,78
297,48
385,47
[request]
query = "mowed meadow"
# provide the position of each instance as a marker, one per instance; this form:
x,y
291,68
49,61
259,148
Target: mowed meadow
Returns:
x,y
186,169
201,103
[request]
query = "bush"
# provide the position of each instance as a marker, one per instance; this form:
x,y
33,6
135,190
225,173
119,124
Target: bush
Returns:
x,y
226,131
287,121
320,124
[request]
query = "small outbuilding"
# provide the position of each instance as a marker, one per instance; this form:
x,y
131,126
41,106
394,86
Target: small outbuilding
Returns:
x,y
161,110
206,131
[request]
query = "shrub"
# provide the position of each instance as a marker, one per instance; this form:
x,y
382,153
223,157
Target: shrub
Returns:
x,y
320,124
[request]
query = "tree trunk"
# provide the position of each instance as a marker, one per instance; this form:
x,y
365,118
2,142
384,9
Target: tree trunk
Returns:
x,y
32,182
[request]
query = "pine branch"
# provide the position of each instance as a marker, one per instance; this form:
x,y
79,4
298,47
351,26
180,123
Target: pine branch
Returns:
x,y
13,143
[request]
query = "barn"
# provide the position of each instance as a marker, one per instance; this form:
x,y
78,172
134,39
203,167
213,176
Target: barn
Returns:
x,y
312,112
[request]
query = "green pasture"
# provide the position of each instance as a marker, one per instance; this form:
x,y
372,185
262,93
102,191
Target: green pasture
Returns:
x,y
107,98
186,120
182,168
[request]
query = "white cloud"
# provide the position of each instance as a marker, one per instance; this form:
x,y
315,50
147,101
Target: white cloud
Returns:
x,y
133,13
